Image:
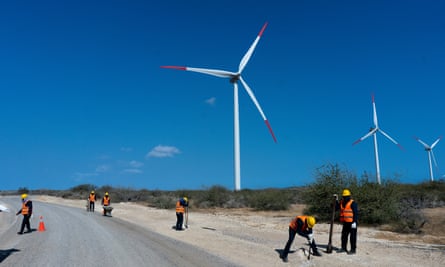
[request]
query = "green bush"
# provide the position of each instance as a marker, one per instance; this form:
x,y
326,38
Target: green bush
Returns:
x,y
215,196
377,204
269,199
329,179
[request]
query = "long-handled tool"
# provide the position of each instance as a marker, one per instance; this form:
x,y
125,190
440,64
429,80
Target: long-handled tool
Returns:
x,y
309,252
186,217
329,248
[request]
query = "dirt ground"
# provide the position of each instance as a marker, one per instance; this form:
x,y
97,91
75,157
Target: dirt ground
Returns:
x,y
251,238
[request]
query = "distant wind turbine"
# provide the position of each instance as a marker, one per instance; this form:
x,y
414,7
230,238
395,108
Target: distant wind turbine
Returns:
x,y
234,77
373,131
429,150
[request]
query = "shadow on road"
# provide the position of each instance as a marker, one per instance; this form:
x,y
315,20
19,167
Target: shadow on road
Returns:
x,y
5,253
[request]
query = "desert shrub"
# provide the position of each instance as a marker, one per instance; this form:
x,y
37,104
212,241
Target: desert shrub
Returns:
x,y
329,179
424,195
215,196
378,204
164,202
22,190
270,199
83,188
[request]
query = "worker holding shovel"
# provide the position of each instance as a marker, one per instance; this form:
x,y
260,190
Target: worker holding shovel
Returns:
x,y
181,208
348,216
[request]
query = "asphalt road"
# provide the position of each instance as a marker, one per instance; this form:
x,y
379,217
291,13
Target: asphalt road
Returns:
x,y
75,237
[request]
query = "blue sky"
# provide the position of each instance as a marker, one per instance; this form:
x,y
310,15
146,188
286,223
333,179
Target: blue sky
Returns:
x,y
83,98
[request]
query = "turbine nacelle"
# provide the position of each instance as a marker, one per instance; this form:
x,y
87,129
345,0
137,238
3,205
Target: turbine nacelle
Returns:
x,y
235,78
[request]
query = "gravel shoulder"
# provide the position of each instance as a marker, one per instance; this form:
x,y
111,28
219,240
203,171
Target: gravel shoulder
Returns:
x,y
252,238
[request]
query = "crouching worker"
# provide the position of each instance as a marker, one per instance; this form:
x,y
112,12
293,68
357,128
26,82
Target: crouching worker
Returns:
x,y
301,225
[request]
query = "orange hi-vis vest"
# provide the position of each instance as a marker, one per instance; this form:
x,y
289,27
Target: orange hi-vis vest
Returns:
x,y
25,209
106,201
346,214
92,197
293,224
179,207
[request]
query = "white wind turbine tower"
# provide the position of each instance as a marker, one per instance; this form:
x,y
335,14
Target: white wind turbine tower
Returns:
x,y
234,77
373,131
429,149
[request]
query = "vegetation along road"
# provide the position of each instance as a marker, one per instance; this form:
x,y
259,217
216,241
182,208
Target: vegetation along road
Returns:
x,y
74,237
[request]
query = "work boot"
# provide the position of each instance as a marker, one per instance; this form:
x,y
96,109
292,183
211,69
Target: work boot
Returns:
x,y
342,250
351,252
283,257
316,253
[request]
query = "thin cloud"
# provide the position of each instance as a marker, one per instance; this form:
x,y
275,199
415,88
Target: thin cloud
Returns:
x,y
211,101
135,171
136,164
126,149
102,168
161,151
81,176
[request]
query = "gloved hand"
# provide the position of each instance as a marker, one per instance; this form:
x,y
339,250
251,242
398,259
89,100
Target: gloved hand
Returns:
x,y
354,225
310,238
336,196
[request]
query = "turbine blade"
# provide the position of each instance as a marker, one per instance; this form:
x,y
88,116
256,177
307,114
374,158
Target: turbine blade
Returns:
x,y
423,143
365,136
434,158
255,101
217,73
374,113
390,138
249,52
435,142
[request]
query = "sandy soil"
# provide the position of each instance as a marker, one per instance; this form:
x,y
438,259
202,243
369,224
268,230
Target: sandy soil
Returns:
x,y
255,238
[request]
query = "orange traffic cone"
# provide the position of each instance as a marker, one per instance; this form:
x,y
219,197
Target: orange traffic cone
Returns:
x,y
41,225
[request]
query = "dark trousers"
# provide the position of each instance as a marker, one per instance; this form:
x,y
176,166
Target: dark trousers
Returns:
x,y
292,234
91,206
179,220
26,223
352,233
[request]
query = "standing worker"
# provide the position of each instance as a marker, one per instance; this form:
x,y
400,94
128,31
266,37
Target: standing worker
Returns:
x,y
106,202
91,200
181,206
348,216
26,211
301,225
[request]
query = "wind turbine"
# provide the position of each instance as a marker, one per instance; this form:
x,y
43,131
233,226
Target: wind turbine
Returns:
x,y
373,131
234,77
429,149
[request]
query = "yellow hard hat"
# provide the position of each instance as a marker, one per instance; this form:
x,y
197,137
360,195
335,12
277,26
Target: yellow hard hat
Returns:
x,y
106,193
92,192
346,193
310,221
186,199
24,196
